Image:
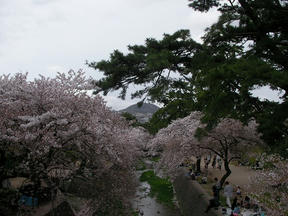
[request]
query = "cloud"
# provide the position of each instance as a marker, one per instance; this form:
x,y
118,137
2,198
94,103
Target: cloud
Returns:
x,y
116,103
43,2
266,93
46,36
20,19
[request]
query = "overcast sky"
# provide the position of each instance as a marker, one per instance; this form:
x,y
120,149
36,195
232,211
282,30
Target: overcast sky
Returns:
x,y
49,36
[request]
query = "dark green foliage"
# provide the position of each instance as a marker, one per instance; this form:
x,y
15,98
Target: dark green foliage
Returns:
x,y
177,108
261,21
245,49
134,121
8,203
128,116
151,64
273,125
238,68
11,160
134,213
203,5
225,90
161,188
140,165
155,158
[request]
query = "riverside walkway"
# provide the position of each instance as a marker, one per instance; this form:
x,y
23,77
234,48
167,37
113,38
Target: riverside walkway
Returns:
x,y
192,198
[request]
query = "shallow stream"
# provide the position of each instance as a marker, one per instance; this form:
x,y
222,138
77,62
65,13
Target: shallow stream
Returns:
x,y
147,205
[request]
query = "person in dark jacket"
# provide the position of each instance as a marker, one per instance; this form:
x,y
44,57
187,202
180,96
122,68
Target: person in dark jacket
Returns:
x,y
214,202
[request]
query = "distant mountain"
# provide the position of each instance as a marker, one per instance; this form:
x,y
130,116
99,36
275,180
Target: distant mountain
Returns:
x,y
143,113
145,108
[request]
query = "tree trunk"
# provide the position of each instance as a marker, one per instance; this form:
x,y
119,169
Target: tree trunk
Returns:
x,y
198,165
2,161
227,174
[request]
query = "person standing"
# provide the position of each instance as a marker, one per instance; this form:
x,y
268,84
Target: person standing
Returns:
x,y
214,161
228,193
219,162
207,160
214,202
238,191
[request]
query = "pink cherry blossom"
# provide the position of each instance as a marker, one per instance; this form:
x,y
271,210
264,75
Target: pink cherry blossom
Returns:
x,y
229,139
270,186
63,132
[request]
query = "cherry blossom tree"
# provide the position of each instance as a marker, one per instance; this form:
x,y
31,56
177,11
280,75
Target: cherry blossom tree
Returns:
x,y
62,132
188,137
178,142
229,140
270,186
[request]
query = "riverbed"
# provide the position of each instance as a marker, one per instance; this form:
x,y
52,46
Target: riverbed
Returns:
x,y
144,204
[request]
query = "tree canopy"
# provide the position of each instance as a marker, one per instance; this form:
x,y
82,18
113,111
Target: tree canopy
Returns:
x,y
56,133
244,50
151,65
262,22
251,36
185,138
269,186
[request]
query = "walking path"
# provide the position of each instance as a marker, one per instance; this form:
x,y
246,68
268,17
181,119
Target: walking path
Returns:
x,y
240,175
192,198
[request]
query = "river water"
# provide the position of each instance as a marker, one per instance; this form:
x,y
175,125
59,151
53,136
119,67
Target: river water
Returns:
x,y
148,206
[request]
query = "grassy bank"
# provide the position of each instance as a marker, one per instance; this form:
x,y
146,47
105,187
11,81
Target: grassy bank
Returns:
x,y
161,188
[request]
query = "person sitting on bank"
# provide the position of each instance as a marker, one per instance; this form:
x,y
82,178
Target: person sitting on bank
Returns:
x,y
192,176
204,180
236,210
238,191
246,202
235,204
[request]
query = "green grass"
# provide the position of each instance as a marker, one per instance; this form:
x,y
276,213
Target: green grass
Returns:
x,y
222,200
161,188
140,165
155,159
134,213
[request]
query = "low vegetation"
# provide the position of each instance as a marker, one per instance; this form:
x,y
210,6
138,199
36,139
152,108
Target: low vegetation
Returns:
x,y
160,187
140,165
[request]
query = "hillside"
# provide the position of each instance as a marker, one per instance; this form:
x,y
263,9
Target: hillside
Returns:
x,y
143,113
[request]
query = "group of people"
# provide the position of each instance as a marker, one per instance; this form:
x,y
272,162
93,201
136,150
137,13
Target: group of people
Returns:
x,y
235,202
235,195
216,160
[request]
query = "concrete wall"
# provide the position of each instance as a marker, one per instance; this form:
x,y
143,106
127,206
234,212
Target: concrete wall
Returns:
x,y
192,198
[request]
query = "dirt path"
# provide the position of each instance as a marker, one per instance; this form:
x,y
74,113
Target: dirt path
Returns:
x,y
240,175
192,197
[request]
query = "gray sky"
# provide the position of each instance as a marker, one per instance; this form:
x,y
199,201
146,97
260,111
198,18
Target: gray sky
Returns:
x,y
47,36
